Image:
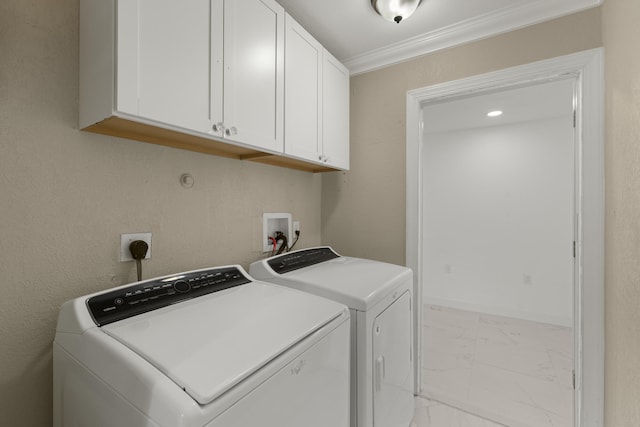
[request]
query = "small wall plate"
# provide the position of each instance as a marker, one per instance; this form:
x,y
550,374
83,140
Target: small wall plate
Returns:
x,y
125,241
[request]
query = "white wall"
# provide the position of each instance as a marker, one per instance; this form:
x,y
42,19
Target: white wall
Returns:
x,y
498,206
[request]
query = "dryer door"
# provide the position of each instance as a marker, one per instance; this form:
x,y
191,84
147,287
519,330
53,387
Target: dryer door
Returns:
x,y
393,365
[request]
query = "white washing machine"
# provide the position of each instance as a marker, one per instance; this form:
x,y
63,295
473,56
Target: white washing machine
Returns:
x,y
208,348
379,296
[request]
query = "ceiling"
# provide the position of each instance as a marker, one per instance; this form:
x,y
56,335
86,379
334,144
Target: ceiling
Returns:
x,y
532,102
363,41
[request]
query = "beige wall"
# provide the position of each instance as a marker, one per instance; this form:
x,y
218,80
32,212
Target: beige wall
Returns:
x,y
363,210
66,195
621,34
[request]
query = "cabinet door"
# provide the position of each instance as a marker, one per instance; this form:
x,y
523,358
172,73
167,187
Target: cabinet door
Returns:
x,y
164,58
335,113
254,73
303,92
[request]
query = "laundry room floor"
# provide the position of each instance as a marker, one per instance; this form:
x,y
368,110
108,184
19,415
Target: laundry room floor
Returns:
x,y
512,371
430,413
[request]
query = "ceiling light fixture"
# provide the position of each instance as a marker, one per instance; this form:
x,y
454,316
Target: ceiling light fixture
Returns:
x,y
395,10
495,113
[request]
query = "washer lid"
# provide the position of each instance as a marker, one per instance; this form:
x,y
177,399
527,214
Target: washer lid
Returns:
x,y
355,282
209,344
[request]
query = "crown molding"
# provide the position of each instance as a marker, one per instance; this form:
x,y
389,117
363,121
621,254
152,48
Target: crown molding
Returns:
x,y
477,28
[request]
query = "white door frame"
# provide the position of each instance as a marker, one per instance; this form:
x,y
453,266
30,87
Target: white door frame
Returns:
x,y
587,69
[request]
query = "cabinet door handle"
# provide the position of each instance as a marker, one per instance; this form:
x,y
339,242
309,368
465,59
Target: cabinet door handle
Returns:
x,y
231,131
218,127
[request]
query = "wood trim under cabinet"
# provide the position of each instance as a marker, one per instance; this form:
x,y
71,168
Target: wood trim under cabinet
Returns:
x,y
130,129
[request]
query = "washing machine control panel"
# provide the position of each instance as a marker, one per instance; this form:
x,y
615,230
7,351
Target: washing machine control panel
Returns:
x,y
157,293
300,259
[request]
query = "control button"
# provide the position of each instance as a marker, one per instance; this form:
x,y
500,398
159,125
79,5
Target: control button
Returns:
x,y
181,286
118,301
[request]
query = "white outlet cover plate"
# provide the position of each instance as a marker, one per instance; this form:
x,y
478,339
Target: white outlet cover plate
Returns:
x,y
125,241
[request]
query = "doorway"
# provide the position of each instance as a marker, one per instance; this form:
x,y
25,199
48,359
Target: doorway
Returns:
x,y
584,70
498,215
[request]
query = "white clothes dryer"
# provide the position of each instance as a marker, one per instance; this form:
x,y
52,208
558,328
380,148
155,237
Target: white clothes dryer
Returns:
x,y
208,348
379,296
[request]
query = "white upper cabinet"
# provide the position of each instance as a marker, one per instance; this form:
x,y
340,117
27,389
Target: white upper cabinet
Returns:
x,y
173,57
303,93
169,64
209,76
335,113
254,73
209,66
316,101
159,68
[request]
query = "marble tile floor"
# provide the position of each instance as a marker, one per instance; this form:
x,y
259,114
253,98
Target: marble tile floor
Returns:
x,y
430,413
515,372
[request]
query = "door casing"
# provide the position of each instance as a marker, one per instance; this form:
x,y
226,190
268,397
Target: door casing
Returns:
x,y
587,70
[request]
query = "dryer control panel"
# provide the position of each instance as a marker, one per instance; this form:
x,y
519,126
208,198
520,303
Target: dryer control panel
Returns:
x,y
146,296
300,259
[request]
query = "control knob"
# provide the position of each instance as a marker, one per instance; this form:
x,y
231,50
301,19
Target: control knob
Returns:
x,y
181,286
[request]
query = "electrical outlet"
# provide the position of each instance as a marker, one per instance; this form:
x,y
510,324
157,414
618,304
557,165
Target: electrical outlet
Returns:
x,y
125,241
296,226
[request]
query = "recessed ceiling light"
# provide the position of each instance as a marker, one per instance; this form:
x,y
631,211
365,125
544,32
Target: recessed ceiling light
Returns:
x,y
495,113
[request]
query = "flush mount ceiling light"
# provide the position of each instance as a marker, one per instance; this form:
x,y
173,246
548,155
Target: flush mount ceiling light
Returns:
x,y
395,10
495,113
